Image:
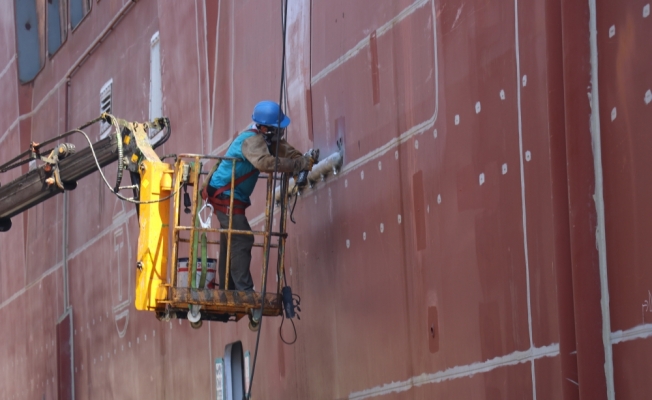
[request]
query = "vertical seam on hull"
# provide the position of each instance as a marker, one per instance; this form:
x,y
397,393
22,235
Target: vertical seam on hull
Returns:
x,y
436,61
232,48
598,198
199,85
207,87
520,147
215,69
211,361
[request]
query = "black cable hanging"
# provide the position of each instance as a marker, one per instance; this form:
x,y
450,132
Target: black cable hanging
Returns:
x,y
296,196
296,299
271,205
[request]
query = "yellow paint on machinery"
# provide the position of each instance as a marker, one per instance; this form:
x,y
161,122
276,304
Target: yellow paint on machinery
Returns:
x,y
156,183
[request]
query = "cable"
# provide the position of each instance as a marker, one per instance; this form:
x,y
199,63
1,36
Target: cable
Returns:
x,y
284,9
169,156
284,190
280,332
296,196
8,165
297,298
312,116
118,195
121,161
13,163
166,136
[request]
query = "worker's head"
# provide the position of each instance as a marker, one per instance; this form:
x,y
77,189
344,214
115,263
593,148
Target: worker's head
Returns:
x,y
270,119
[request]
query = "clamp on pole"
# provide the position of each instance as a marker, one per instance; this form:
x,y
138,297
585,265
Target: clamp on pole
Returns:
x,y
51,167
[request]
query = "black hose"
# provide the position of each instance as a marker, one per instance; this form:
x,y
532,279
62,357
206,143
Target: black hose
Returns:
x,y
121,161
168,132
118,195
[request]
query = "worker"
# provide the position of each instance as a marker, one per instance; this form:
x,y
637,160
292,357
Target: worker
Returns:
x,y
256,147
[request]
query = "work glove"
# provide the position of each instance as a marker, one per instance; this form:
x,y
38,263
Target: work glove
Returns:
x,y
303,163
313,154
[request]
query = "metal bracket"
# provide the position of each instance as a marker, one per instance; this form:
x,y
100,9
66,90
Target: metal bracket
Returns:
x,y
51,166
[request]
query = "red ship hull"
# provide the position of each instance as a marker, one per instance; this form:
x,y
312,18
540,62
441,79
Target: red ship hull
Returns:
x,y
485,238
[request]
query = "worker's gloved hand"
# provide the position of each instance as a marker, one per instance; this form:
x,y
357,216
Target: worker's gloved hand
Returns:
x,y
313,155
311,163
302,164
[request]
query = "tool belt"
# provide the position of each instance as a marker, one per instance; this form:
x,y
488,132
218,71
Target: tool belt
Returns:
x,y
221,202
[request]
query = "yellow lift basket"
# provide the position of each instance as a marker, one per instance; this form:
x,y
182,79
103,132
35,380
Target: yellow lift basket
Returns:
x,y
158,287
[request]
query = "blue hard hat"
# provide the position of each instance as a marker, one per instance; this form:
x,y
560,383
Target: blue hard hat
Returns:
x,y
269,113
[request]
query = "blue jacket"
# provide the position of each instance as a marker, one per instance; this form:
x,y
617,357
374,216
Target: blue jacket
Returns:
x,y
222,175
251,148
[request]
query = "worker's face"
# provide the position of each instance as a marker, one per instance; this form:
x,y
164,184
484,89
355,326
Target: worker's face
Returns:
x,y
272,133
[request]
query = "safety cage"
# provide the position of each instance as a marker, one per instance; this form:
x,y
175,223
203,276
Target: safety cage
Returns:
x,y
186,290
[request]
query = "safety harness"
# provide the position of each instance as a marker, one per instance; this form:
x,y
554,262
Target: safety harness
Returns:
x,y
222,203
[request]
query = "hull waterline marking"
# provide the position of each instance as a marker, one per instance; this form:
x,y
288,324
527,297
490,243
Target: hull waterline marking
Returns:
x,y
638,332
464,371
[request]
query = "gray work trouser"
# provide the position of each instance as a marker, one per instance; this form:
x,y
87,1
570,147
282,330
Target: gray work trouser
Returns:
x,y
239,274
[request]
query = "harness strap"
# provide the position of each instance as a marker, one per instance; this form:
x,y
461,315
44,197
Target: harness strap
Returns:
x,y
222,205
237,182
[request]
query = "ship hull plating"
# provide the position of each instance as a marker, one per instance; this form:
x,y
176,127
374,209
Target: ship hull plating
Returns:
x,y
485,237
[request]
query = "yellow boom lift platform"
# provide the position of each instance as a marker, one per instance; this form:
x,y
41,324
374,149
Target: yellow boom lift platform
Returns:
x,y
165,294
157,193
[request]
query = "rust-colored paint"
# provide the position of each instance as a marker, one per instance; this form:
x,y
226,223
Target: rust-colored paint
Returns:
x,y
558,166
625,120
212,11
25,128
435,89
375,73
582,213
65,357
311,134
419,208
224,300
281,357
433,329
340,128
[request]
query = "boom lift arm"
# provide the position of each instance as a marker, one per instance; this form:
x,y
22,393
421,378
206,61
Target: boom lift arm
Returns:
x,y
63,166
